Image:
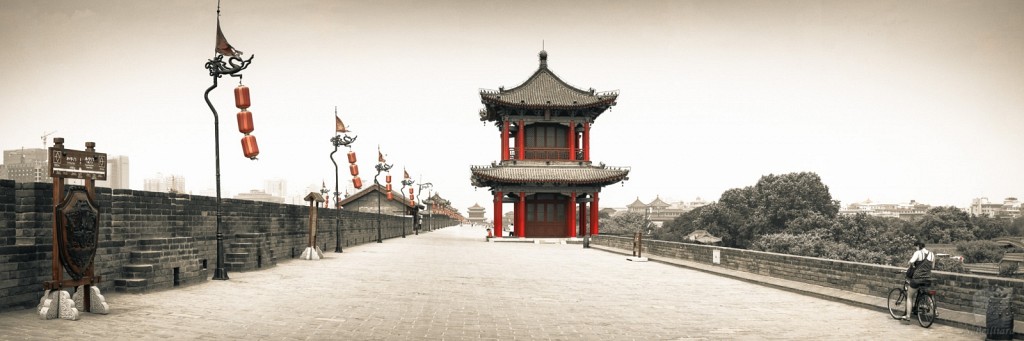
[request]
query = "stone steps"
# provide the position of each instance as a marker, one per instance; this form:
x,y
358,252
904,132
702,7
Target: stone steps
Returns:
x,y
161,263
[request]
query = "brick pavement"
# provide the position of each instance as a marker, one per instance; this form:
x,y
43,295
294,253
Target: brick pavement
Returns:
x,y
451,285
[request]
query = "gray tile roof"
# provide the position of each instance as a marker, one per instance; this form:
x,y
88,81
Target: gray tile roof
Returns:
x,y
544,88
559,173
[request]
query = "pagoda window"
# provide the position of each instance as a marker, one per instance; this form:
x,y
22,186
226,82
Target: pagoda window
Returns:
x,y
545,141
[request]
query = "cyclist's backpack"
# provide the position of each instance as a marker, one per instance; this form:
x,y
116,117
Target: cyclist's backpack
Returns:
x,y
922,271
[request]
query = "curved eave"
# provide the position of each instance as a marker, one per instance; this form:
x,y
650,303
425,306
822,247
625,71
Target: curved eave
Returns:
x,y
504,175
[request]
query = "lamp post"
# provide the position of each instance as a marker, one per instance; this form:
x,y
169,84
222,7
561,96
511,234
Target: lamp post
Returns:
x,y
380,167
422,186
324,191
218,67
406,182
338,141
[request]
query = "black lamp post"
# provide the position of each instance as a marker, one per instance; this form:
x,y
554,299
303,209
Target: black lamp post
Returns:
x,y
423,186
338,141
218,67
407,182
380,167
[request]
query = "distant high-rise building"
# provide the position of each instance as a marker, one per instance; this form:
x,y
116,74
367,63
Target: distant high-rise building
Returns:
x,y
117,173
26,165
161,183
277,187
258,195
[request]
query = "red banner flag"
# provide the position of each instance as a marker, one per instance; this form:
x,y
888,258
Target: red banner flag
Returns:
x,y
338,125
222,44
406,173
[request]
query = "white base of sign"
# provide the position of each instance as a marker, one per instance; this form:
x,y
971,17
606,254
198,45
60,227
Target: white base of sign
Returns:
x,y
57,303
312,253
97,302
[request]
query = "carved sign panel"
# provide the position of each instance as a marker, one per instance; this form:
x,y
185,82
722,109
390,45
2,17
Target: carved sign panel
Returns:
x,y
77,232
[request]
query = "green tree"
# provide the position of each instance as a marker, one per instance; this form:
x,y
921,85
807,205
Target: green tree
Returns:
x,y
779,199
945,225
625,224
989,228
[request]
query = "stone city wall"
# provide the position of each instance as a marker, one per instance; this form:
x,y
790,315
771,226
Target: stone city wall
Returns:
x,y
154,240
955,291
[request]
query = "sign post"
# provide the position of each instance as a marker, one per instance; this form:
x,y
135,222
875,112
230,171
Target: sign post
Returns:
x,y
313,252
75,233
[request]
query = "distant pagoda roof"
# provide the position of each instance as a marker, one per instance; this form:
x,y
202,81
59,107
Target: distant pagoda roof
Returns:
x,y
476,206
372,189
637,204
541,172
658,203
544,90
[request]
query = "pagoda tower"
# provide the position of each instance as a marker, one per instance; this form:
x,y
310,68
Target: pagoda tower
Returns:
x,y
545,170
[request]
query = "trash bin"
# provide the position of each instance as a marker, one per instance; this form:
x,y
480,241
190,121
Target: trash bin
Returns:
x,y
999,318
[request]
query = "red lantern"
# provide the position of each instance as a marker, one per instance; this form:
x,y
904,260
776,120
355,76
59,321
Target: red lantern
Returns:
x,y
245,125
388,187
249,147
388,177
411,198
351,157
390,196
357,182
242,97
410,191
353,169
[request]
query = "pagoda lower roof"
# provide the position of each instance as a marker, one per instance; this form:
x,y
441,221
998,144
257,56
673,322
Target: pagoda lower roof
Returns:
x,y
546,172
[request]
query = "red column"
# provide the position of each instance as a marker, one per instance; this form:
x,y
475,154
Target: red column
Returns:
x,y
570,216
586,141
497,214
594,215
572,144
583,218
521,216
504,140
520,144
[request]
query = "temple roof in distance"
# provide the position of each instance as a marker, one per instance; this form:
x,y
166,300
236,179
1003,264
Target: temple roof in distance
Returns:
x,y
541,172
637,204
544,90
370,189
658,203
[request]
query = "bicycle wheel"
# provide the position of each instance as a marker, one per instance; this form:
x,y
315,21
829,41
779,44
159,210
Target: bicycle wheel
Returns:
x,y
895,301
925,310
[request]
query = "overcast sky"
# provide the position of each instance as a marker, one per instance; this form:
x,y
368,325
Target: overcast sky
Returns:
x,y
887,100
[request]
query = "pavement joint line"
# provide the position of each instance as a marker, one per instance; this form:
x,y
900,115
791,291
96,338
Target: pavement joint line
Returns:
x,y
954,318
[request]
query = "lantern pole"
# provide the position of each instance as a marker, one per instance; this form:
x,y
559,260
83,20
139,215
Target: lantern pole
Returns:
x,y
218,67
406,182
422,186
338,141
380,167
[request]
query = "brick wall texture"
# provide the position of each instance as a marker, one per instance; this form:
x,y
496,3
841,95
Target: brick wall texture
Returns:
x,y
955,291
154,240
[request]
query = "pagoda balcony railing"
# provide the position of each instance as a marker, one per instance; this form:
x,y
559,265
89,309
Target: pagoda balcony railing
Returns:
x,y
536,153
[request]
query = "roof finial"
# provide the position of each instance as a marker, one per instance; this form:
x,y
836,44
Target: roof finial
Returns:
x,y
543,56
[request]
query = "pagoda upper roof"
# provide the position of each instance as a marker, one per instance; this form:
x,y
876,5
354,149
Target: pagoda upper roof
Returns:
x,y
544,89
658,203
637,204
476,206
539,172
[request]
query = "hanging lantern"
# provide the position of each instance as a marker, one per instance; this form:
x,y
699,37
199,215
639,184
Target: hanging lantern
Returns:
x,y
357,182
388,187
245,125
353,169
388,180
249,147
242,97
390,196
411,198
410,191
351,157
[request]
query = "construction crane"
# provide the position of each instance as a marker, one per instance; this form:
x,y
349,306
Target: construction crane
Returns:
x,y
45,135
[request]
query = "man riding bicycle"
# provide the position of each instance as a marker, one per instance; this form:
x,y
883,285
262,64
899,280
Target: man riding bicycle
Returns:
x,y
918,274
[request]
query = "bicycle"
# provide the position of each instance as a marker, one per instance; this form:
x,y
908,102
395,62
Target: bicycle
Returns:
x,y
923,307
